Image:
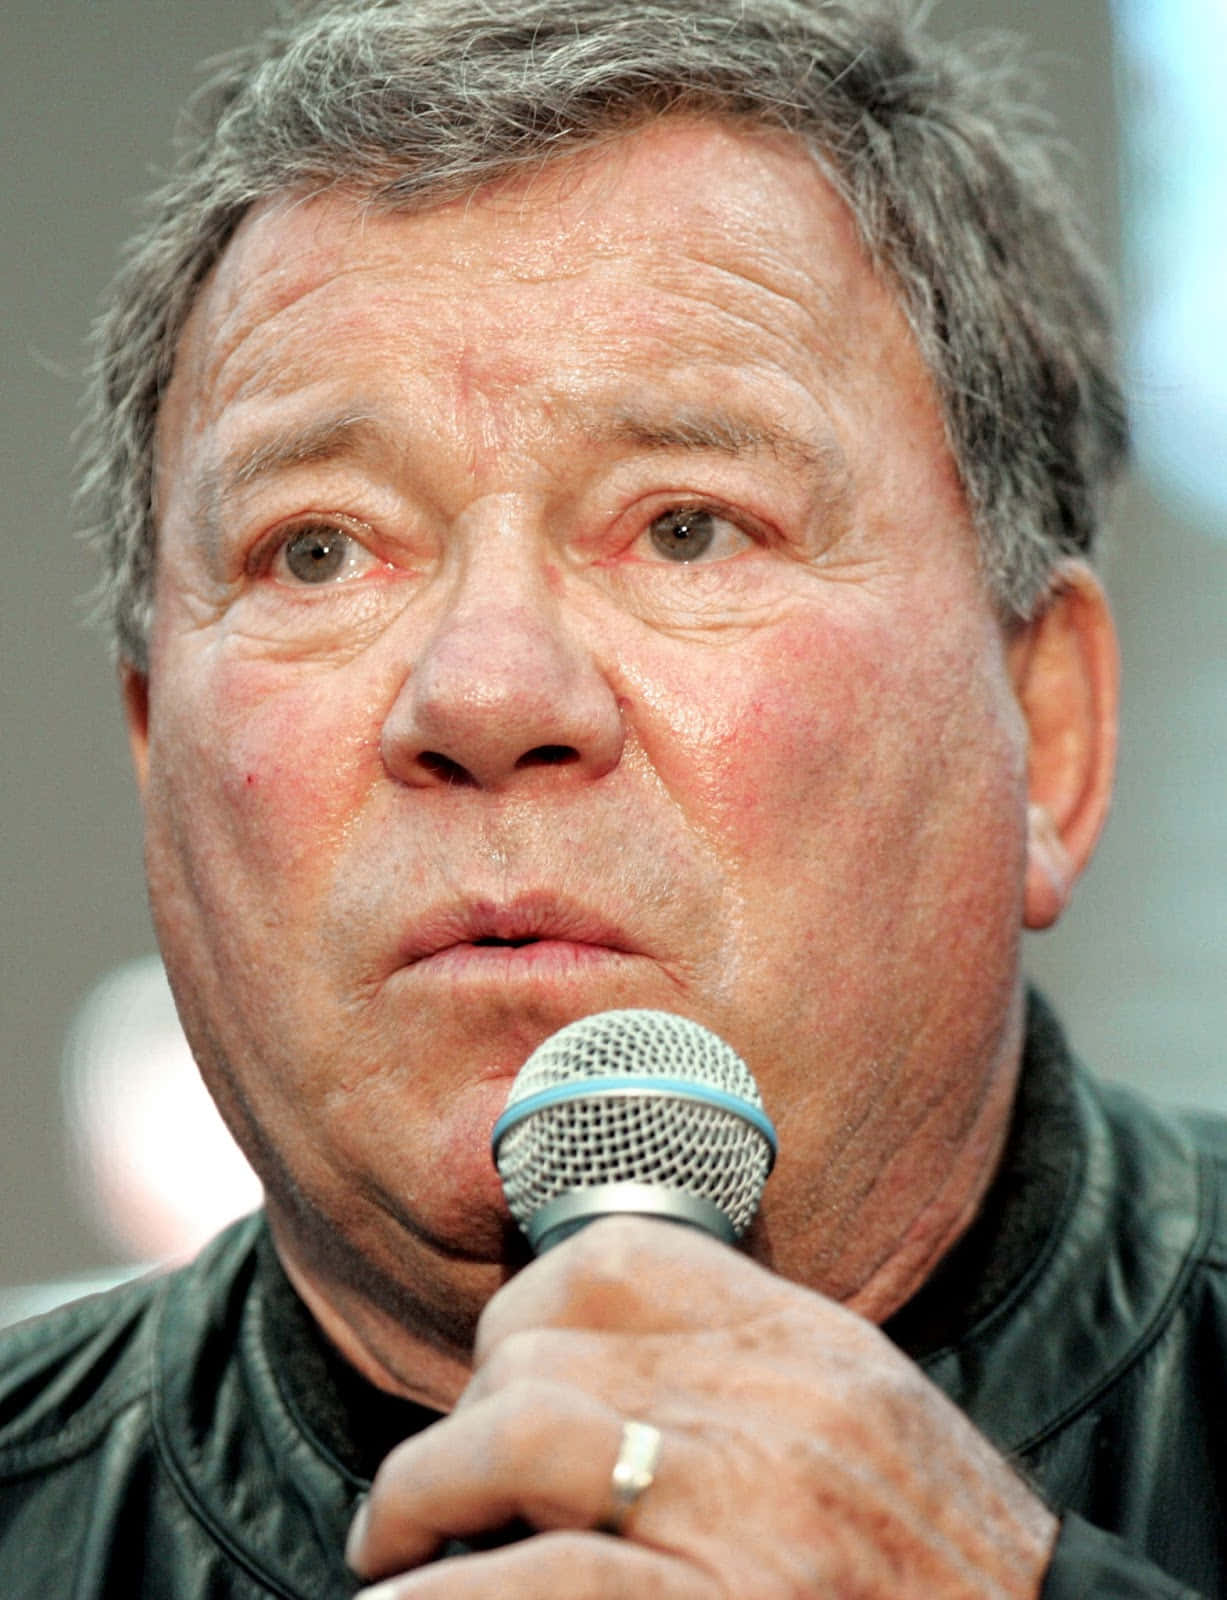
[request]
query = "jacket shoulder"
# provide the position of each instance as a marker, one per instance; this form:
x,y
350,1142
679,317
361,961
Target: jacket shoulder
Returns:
x,y
65,1376
1207,1131
1141,1125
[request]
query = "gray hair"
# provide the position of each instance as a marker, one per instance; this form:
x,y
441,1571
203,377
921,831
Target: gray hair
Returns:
x,y
947,171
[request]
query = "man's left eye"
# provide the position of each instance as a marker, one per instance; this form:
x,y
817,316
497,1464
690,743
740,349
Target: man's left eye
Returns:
x,y
693,533
322,553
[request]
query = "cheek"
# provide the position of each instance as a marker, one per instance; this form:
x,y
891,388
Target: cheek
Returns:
x,y
760,742
859,787
256,775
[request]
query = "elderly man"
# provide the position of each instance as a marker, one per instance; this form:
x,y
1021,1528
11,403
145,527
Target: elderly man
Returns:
x,y
597,498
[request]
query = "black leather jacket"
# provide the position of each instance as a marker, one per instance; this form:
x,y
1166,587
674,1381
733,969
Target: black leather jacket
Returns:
x,y
147,1447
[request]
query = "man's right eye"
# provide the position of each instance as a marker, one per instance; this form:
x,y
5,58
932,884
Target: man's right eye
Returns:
x,y
321,553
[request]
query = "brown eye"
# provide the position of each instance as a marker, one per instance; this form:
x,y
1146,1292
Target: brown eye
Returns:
x,y
683,535
314,555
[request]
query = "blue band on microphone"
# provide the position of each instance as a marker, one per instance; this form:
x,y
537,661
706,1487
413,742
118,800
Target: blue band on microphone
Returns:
x,y
637,1084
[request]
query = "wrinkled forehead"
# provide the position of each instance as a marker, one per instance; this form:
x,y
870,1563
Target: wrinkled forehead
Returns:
x,y
753,198
685,253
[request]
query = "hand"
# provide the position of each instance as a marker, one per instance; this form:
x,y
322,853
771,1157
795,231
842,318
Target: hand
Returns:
x,y
801,1454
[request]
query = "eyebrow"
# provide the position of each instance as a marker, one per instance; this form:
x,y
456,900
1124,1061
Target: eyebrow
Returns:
x,y
719,431
318,440
327,438
350,433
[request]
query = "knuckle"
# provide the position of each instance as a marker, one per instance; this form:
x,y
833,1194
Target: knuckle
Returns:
x,y
606,1248
509,1360
528,1409
607,1265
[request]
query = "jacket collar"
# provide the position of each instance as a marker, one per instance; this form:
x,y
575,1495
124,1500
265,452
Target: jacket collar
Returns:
x,y
1134,1220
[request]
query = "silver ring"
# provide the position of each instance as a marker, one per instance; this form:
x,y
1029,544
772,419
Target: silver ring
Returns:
x,y
633,1472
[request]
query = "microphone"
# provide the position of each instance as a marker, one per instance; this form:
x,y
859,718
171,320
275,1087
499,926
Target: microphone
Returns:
x,y
640,1112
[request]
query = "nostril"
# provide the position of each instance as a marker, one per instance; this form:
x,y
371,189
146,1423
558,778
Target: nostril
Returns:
x,y
441,766
548,755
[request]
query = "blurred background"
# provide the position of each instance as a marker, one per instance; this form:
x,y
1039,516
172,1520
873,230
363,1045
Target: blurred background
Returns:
x,y
108,1152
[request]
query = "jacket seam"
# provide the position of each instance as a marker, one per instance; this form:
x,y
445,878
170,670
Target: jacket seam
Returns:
x,y
1195,1256
192,1503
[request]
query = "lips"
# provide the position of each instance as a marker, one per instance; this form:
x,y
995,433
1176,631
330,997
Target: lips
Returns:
x,y
519,924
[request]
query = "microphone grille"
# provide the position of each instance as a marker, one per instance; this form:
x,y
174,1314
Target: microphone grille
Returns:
x,y
584,1112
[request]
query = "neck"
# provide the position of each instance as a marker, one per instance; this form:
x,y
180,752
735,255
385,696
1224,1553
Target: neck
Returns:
x,y
393,1340
873,1235
937,1228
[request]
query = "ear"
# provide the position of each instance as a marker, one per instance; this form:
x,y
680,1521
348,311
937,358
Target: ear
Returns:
x,y
1066,675
134,688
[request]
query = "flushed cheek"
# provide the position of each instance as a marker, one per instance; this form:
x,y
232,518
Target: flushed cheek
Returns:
x,y
835,770
256,780
798,717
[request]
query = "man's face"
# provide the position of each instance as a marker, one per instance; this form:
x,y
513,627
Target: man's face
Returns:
x,y
565,600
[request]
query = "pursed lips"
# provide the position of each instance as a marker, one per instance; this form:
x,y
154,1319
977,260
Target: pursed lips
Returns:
x,y
527,930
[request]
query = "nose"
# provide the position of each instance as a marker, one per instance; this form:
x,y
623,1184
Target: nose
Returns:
x,y
502,688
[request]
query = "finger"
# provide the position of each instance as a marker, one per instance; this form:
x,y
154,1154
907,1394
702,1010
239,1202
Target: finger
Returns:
x,y
620,1369
568,1566
536,1451
630,1274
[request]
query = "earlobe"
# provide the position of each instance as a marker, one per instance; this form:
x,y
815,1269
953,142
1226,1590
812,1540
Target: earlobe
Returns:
x,y
1050,873
1066,678
134,689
